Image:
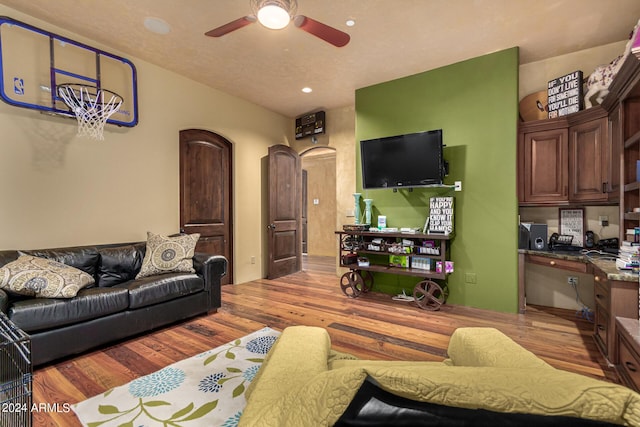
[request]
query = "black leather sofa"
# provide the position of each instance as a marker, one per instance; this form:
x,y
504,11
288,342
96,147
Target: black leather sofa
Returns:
x,y
117,305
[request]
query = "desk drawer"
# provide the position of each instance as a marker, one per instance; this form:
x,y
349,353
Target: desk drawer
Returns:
x,y
602,292
628,363
601,329
580,267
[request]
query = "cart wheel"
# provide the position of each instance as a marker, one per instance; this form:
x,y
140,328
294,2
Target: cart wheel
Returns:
x,y
367,280
429,295
351,284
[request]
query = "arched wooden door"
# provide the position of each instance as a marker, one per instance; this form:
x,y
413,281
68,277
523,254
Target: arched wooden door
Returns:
x,y
206,191
285,212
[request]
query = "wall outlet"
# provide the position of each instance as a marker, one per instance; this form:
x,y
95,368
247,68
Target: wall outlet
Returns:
x,y
470,278
572,281
253,259
458,186
603,220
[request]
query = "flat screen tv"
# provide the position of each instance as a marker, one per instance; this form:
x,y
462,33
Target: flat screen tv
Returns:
x,y
411,160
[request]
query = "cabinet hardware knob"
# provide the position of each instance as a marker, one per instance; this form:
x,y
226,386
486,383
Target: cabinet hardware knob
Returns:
x,y
630,366
597,278
601,328
599,296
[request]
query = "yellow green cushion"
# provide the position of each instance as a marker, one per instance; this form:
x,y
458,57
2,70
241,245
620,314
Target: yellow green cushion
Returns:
x,y
292,362
489,347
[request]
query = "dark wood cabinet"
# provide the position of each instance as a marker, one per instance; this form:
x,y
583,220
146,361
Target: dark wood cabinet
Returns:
x,y
612,298
543,171
628,350
569,160
588,161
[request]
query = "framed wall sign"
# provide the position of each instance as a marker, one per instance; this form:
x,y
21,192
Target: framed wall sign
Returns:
x,y
564,95
571,223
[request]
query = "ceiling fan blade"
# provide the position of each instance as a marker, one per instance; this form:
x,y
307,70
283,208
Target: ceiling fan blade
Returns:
x,y
231,26
323,31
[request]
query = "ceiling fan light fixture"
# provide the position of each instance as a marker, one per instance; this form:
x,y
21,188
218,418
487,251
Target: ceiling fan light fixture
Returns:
x,y
273,16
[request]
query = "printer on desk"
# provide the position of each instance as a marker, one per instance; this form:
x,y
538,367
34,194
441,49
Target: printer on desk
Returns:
x,y
533,236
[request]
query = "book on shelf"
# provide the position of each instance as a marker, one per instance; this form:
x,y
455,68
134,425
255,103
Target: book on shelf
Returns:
x,y
626,265
633,234
628,257
633,248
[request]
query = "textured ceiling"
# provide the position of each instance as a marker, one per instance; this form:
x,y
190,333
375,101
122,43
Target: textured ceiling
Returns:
x,y
391,39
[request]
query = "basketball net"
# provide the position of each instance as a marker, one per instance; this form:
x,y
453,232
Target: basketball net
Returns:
x,y
87,103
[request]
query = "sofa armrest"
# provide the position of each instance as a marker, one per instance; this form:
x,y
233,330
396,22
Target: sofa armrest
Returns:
x,y
300,353
212,268
489,347
4,301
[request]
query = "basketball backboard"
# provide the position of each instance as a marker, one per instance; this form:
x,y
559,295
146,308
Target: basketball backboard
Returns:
x,y
33,62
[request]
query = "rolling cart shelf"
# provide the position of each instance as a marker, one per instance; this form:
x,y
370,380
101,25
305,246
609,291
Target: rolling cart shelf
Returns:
x,y
409,248
415,272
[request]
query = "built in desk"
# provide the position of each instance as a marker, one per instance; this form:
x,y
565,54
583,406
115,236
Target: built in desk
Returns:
x,y
615,291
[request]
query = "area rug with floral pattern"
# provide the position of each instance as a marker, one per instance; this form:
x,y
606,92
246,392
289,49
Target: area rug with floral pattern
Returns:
x,y
204,390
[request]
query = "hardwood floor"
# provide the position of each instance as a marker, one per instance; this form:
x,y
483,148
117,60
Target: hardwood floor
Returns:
x,y
319,263
373,326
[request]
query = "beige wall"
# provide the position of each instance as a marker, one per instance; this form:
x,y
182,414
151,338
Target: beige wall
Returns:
x,y
59,190
340,135
321,188
534,76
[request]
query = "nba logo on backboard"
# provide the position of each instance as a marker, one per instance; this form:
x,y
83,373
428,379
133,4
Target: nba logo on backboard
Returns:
x,y
18,86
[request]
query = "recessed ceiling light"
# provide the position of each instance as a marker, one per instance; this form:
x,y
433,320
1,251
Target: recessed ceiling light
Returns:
x,y
307,90
350,22
156,25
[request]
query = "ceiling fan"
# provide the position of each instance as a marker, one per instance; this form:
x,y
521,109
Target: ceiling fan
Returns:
x,y
276,14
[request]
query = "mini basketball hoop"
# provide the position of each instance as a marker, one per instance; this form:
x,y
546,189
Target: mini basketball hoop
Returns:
x,y
89,106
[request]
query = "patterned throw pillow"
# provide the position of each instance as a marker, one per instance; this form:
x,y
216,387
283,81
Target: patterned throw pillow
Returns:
x,y
168,254
42,278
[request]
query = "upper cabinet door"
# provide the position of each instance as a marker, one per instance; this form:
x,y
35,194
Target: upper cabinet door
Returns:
x,y
543,167
588,161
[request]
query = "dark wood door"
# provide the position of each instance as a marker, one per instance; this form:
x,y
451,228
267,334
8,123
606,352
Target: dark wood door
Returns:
x,y
544,172
285,211
305,233
587,161
205,192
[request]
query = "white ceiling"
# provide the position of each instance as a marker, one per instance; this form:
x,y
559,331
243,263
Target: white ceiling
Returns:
x,y
391,39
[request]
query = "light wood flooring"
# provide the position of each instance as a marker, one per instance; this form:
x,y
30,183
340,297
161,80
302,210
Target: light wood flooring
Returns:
x,y
373,326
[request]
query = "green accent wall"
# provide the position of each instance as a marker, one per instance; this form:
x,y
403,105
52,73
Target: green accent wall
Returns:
x,y
475,103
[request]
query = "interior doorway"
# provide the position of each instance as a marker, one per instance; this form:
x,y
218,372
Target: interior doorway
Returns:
x,y
206,188
319,207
